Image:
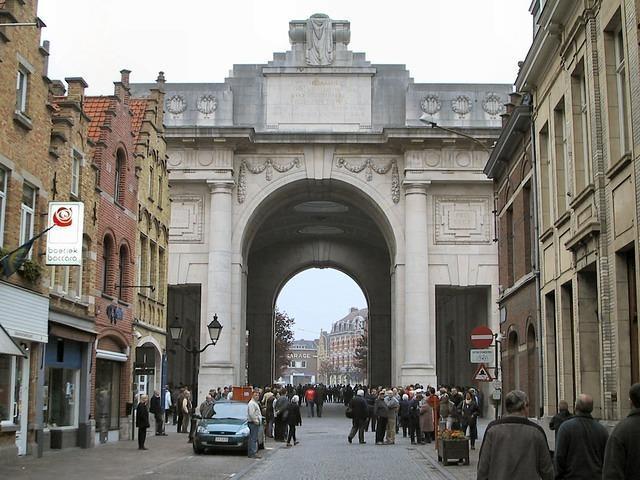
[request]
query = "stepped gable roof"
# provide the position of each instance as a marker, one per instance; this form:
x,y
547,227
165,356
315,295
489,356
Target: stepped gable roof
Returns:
x,y
137,106
96,109
352,322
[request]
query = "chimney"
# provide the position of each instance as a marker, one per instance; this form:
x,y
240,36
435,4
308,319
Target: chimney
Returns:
x,y
45,51
76,88
121,89
160,80
57,88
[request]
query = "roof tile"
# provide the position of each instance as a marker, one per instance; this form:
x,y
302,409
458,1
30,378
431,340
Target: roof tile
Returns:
x,y
138,106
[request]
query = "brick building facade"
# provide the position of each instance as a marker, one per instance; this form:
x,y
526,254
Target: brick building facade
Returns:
x,y
25,178
150,325
583,74
67,379
511,168
111,131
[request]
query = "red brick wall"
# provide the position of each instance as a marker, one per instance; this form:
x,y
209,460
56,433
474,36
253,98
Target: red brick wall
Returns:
x,y
118,221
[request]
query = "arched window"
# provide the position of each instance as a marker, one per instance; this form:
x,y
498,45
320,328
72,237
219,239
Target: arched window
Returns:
x,y
123,260
107,266
119,177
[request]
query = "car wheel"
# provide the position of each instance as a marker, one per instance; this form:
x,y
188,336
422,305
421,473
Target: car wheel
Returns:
x,y
198,450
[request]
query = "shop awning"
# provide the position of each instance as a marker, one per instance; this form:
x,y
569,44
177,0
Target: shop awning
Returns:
x,y
7,345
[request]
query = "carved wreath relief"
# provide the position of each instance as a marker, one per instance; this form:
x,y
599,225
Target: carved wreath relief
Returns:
x,y
492,104
267,166
461,105
430,104
207,104
369,166
176,104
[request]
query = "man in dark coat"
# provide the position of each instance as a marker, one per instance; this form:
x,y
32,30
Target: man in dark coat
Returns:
x,y
320,397
562,415
359,414
156,409
381,411
513,446
621,456
280,416
371,401
142,421
580,444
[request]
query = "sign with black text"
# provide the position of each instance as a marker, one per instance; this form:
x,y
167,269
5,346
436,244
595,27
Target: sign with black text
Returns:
x,y
64,240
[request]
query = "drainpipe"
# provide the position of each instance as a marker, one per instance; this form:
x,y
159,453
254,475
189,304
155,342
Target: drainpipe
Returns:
x,y
536,269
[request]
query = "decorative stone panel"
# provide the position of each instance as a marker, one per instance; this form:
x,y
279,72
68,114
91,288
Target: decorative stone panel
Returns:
x,y
186,219
462,220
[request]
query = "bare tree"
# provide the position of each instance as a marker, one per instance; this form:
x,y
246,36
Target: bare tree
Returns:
x,y
362,352
283,338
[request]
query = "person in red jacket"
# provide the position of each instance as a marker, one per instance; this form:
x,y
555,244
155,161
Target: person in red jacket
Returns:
x,y
310,397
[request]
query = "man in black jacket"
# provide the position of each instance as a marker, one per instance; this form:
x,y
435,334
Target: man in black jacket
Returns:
x,y
562,415
142,421
156,409
359,414
621,459
580,443
371,401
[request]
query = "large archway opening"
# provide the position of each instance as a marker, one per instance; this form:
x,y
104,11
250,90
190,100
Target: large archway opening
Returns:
x,y
321,333
317,225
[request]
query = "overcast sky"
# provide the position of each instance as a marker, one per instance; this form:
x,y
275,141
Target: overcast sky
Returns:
x,y
458,41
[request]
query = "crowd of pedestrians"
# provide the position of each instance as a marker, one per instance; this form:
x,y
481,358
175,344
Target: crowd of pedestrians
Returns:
x,y
414,409
513,446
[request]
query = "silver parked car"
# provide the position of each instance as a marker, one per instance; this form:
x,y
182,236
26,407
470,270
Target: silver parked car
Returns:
x,y
226,430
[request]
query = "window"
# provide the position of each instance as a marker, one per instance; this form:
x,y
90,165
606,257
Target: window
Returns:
x,y
76,167
119,181
3,200
22,85
10,389
562,191
151,183
621,86
159,197
27,213
153,267
122,272
582,163
107,266
545,177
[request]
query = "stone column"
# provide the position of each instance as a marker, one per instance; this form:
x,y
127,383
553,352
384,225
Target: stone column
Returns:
x,y
417,345
216,367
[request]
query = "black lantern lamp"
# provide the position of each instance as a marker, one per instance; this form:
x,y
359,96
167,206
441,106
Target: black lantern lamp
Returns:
x,y
214,328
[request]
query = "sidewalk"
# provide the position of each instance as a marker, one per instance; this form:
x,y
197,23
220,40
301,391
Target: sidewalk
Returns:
x,y
168,456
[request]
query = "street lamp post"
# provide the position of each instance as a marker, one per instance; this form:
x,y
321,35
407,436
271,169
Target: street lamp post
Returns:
x,y
176,330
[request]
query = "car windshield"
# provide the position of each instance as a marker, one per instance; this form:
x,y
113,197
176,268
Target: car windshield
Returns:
x,y
232,413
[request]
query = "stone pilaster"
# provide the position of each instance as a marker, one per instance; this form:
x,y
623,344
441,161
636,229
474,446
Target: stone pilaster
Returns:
x,y
417,365
216,367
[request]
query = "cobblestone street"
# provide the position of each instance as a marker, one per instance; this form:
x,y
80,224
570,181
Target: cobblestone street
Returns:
x,y
323,453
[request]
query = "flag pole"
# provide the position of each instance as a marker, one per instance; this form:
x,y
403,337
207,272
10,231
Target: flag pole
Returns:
x,y
28,241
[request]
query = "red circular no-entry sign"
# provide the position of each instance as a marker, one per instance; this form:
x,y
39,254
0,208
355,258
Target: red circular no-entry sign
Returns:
x,y
481,337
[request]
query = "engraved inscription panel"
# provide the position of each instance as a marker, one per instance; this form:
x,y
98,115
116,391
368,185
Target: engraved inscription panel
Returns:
x,y
186,219
322,102
462,220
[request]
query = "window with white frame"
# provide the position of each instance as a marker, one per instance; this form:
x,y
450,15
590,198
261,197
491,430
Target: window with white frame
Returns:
x,y
27,213
10,385
22,86
76,171
621,83
3,200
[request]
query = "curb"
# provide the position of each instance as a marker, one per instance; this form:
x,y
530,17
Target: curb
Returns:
x,y
434,463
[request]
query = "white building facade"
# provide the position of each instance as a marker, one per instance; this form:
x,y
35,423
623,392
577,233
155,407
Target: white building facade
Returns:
x,y
318,158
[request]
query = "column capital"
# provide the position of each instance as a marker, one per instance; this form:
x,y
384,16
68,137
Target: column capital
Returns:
x,y
416,186
220,186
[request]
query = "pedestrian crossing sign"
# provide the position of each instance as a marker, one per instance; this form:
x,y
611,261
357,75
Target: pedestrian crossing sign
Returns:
x,y
482,374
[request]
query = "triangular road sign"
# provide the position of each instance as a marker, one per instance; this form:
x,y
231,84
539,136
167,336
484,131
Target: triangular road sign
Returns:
x,y
482,374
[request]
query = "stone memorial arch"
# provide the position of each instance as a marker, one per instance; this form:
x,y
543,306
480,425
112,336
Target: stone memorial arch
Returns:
x,y
318,158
